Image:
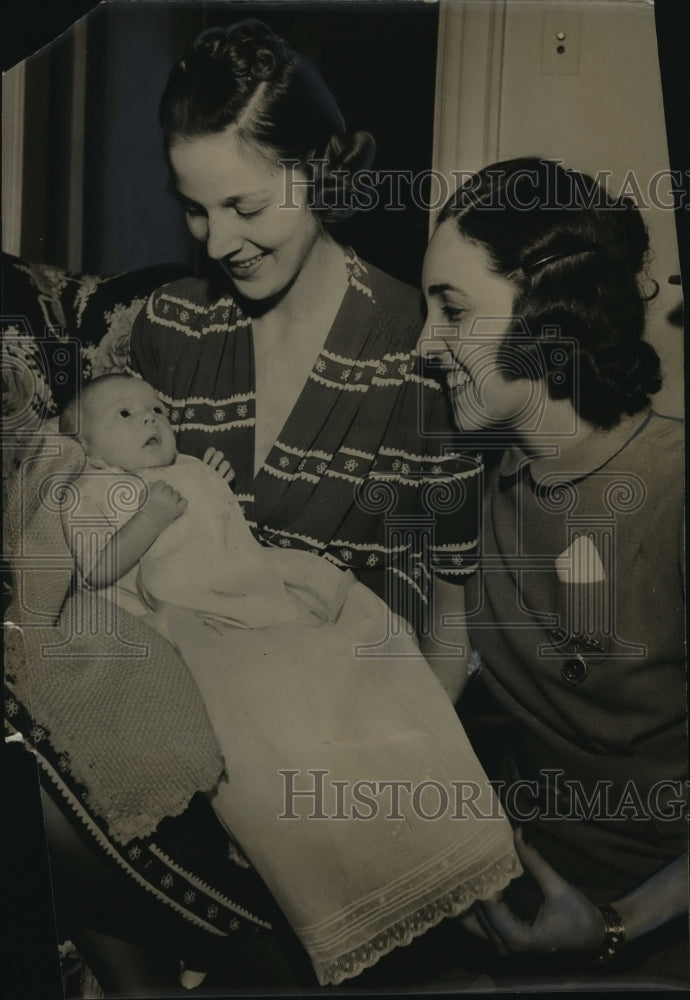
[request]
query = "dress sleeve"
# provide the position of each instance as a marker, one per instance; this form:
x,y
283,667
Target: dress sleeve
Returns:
x,y
454,496
423,496
439,483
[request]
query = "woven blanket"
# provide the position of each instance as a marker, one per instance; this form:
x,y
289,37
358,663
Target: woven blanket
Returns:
x,y
123,712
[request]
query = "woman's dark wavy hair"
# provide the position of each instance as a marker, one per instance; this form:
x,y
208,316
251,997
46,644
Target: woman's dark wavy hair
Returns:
x,y
246,77
575,254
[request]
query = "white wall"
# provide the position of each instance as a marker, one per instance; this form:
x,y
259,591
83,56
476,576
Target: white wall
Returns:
x,y
12,147
504,91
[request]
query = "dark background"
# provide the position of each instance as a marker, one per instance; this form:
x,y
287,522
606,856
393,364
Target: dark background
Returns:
x,y
29,964
377,58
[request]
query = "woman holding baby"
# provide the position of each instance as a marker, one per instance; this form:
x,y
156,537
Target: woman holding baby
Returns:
x,y
296,359
298,362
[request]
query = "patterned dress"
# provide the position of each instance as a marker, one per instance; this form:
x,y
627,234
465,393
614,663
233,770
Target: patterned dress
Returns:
x,y
366,471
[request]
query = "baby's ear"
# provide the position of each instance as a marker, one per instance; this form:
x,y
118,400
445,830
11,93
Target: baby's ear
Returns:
x,y
77,435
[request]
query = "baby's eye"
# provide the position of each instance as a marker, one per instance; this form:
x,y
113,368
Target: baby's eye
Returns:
x,y
249,215
158,409
124,413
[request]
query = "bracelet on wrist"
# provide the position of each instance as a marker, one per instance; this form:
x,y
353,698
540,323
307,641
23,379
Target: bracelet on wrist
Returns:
x,y
614,930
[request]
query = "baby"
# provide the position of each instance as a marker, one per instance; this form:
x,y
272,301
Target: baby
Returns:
x,y
273,639
150,526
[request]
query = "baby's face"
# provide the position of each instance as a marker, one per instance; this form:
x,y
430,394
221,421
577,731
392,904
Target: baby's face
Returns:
x,y
125,424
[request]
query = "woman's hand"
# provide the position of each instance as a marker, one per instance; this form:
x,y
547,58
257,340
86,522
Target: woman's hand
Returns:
x,y
217,460
566,921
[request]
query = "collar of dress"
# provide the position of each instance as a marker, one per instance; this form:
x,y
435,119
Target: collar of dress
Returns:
x,y
580,461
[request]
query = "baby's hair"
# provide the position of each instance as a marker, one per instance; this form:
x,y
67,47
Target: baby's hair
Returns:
x,y
70,418
275,99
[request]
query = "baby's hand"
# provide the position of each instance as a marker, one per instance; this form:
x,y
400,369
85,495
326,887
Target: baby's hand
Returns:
x,y
162,503
216,459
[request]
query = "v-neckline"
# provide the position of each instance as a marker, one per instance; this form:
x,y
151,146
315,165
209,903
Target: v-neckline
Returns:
x,y
353,266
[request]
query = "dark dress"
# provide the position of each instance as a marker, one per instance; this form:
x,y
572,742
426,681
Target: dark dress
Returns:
x,y
366,471
584,680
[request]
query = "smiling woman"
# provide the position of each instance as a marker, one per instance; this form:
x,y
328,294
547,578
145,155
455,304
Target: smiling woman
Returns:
x,y
469,311
251,133
236,202
297,360
576,619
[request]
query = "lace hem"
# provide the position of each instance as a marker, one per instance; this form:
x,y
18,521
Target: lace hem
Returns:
x,y
403,932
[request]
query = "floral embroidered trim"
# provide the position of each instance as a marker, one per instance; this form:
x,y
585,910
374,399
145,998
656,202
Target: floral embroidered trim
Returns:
x,y
409,581
340,385
355,271
240,397
210,428
165,310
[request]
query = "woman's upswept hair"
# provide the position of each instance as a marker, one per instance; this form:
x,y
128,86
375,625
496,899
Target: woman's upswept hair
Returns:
x,y
575,254
245,77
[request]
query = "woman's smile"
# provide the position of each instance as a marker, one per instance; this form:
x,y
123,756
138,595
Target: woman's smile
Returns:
x,y
246,268
469,310
246,264
234,199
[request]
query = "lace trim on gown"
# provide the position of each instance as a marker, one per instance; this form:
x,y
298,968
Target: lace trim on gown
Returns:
x,y
403,932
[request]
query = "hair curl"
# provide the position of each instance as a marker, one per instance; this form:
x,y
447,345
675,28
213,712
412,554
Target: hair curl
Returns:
x,y
245,77
575,255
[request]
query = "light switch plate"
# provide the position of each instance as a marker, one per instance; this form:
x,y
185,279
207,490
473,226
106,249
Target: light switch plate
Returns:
x,y
560,43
